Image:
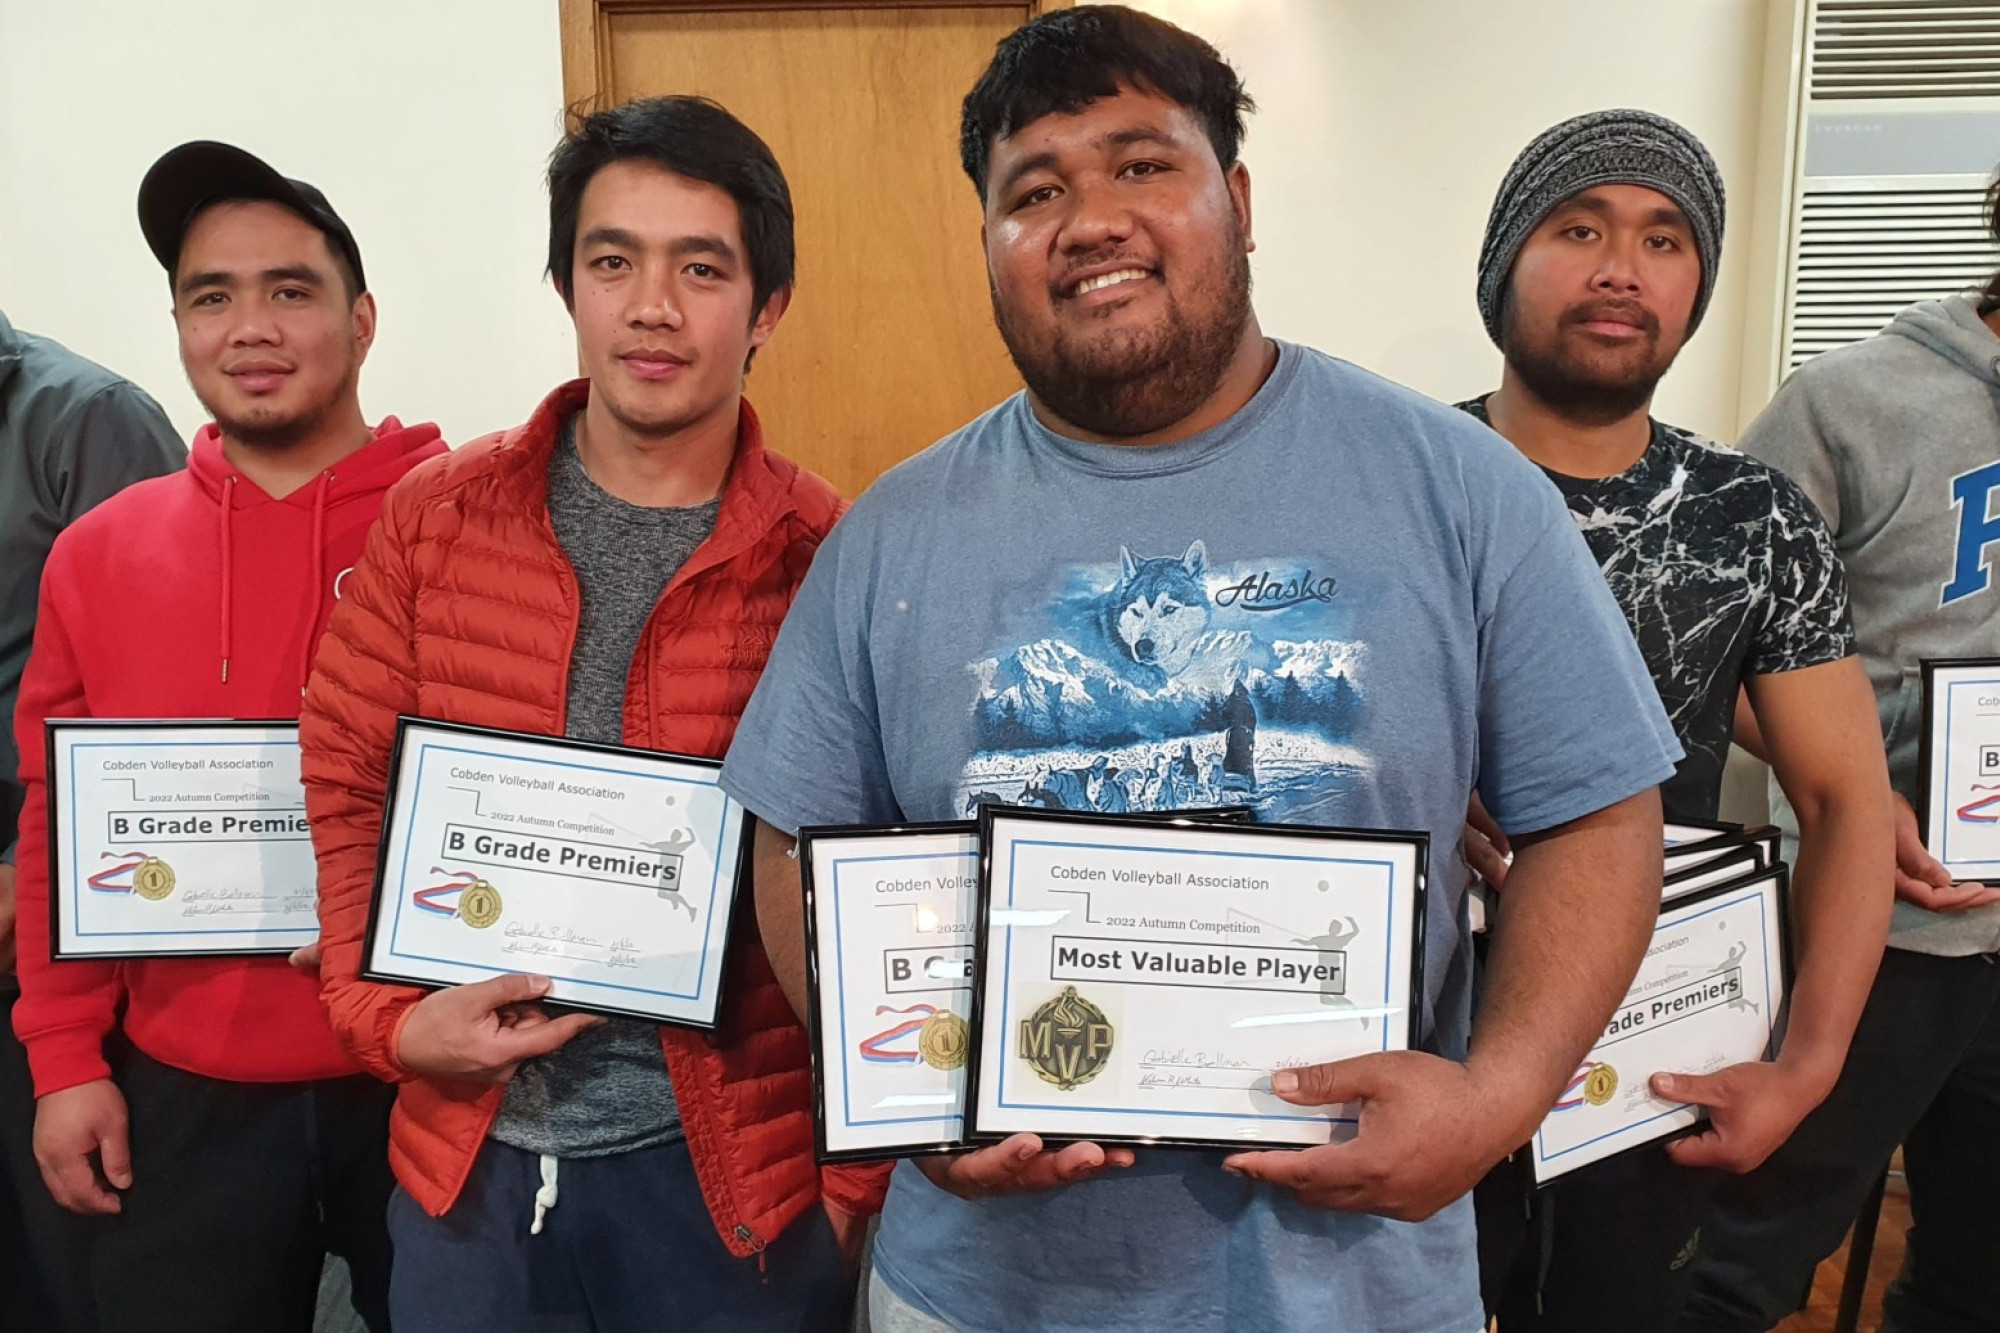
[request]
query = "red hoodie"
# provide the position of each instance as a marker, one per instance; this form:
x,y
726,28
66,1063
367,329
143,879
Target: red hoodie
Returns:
x,y
194,595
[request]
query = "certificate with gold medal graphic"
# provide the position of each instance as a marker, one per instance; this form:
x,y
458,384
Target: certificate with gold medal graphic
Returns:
x,y
1140,982
1959,766
170,838
889,925
1707,995
611,871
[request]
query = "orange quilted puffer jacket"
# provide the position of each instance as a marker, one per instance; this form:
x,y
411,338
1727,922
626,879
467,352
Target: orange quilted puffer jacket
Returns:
x,y
464,609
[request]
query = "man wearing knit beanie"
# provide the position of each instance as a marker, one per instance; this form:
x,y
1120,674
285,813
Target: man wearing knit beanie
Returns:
x,y
1599,260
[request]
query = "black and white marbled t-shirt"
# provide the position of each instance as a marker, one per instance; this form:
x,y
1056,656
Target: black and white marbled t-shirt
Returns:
x,y
1724,570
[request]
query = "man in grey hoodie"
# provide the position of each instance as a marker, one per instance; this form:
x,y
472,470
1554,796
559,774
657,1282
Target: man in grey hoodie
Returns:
x,y
1897,441
71,434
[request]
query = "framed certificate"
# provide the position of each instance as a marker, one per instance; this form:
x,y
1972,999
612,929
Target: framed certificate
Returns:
x,y
1683,832
1959,766
1139,982
177,839
1690,872
611,871
889,925
890,917
1707,995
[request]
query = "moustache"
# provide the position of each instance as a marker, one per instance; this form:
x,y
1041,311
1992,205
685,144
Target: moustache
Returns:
x,y
1624,312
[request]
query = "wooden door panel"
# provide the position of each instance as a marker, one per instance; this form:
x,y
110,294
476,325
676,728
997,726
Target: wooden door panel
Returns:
x,y
889,342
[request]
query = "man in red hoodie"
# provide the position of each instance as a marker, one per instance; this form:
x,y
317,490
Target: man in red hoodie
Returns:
x,y
202,1105
613,571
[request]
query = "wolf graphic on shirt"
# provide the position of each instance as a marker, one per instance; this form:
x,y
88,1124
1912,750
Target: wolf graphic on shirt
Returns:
x,y
1163,682
1157,615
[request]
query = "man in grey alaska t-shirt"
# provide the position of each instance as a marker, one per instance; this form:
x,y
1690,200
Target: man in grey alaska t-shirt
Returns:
x,y
1092,576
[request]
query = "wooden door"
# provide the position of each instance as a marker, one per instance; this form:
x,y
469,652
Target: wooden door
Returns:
x,y
889,343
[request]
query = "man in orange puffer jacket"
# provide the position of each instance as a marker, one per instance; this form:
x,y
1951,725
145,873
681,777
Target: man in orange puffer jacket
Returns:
x,y
615,571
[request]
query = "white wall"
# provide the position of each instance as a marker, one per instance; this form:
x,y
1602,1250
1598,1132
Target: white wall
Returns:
x,y
1386,125
426,122
1384,128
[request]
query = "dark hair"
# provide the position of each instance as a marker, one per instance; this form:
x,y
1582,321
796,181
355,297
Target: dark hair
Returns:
x,y
1069,58
692,137
1989,300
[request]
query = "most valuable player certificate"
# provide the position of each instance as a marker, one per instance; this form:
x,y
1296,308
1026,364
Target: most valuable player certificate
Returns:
x,y
612,872
1960,766
177,838
889,925
1706,995
1140,982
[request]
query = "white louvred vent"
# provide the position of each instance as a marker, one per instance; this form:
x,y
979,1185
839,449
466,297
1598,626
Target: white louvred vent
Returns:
x,y
1869,248
1899,135
1905,48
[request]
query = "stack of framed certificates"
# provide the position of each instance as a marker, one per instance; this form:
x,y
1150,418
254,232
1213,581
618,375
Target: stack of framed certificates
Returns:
x,y
1708,994
1702,855
1698,854
613,872
177,839
1120,979
1959,766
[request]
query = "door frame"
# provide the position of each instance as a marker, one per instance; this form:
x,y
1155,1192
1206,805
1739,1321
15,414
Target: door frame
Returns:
x,y
586,32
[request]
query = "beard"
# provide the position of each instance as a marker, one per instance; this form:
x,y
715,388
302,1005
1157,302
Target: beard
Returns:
x,y
270,431
1587,386
1144,380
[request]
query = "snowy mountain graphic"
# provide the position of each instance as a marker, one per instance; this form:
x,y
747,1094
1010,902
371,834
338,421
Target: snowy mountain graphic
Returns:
x,y
1162,682
1053,693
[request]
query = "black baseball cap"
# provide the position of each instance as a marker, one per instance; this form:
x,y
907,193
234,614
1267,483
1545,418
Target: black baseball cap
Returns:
x,y
189,178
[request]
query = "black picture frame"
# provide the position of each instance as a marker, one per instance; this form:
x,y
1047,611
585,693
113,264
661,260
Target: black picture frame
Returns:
x,y
405,723
815,1009
816,1020
1928,668
1414,1034
1781,874
52,792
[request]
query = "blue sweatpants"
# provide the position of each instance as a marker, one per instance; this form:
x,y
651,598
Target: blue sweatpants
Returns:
x,y
627,1248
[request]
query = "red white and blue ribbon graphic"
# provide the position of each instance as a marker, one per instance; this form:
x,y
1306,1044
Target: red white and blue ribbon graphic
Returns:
x,y
1985,809
1572,1093
427,900
876,1050
101,882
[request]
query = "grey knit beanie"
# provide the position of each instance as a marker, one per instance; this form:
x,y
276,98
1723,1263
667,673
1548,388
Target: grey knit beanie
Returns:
x,y
1601,148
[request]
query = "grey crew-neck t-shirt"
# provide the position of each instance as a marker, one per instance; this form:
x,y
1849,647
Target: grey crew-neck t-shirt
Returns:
x,y
1345,605
606,1091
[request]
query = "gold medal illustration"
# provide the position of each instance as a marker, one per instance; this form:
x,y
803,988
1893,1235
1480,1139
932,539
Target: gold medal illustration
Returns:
x,y
153,879
479,905
1600,1084
1067,1041
944,1040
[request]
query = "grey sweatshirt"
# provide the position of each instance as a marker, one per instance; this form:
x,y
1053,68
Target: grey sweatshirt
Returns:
x,y
71,434
1887,438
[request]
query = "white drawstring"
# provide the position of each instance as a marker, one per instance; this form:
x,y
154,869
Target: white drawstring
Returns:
x,y
545,1197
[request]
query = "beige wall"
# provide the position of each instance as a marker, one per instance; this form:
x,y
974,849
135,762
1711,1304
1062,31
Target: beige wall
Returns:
x,y
425,121
1387,124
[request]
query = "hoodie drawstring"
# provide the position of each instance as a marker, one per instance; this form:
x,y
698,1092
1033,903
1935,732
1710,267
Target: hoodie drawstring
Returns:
x,y
318,574
228,564
545,1197
228,607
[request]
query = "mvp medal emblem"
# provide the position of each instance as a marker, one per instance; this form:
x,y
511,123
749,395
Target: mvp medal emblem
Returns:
x,y
1067,1041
